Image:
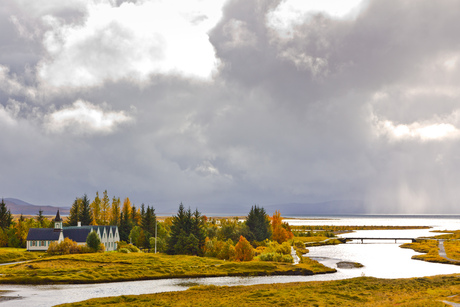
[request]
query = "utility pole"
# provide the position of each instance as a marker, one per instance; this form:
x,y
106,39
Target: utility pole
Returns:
x,y
155,235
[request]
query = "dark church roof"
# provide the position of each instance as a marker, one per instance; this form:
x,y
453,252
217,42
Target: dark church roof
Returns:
x,y
47,234
77,234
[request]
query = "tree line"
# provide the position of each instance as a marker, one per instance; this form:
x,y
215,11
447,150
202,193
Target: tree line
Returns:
x,y
13,233
136,225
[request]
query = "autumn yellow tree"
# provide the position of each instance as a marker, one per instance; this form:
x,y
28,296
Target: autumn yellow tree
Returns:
x,y
115,211
243,250
280,232
96,209
105,207
126,210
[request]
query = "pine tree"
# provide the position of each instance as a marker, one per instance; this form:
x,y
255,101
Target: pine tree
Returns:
x,y
134,216
125,227
186,233
86,214
259,224
74,214
5,216
40,219
199,231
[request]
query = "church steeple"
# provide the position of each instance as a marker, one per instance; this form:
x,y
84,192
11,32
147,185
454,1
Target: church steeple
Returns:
x,y
58,222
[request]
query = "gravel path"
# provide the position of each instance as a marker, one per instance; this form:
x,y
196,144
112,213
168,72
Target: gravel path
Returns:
x,y
442,251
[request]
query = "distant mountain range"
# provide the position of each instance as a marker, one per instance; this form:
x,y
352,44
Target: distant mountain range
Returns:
x,y
18,206
338,207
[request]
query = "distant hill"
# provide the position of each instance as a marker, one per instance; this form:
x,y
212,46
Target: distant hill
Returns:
x,y
18,206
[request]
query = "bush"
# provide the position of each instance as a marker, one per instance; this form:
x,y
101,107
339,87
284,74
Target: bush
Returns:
x,y
131,248
259,250
227,251
244,250
297,243
124,250
213,247
94,242
277,257
64,247
284,249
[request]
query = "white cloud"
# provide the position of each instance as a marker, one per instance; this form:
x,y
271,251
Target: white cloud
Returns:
x,y
238,34
5,117
316,65
85,118
11,85
131,41
425,131
291,12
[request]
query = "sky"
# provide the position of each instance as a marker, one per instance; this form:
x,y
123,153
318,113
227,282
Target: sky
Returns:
x,y
226,104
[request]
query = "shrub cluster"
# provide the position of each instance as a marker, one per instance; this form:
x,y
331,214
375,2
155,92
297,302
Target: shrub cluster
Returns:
x,y
276,252
276,257
124,247
220,249
67,247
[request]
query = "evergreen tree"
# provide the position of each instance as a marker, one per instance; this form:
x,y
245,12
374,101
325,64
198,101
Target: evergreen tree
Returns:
x,y
199,231
86,214
142,212
258,223
148,224
187,233
5,216
134,216
40,219
125,227
74,214
148,221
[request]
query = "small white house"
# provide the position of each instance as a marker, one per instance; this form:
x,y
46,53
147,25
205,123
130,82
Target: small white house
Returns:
x,y
39,239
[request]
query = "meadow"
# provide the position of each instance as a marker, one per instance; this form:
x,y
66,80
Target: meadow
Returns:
x,y
11,254
362,291
114,266
430,248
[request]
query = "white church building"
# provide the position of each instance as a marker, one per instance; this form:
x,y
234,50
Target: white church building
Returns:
x,y
39,239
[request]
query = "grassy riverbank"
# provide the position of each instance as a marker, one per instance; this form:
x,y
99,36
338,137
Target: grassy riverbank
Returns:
x,y
113,266
10,254
362,291
430,248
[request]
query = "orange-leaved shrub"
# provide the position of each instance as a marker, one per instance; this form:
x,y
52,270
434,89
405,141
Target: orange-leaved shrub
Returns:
x,y
244,250
280,231
67,246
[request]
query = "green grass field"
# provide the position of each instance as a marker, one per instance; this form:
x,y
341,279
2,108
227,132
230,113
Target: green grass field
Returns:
x,y
362,291
113,266
9,254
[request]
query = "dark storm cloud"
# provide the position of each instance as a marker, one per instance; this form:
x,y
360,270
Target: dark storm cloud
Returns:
x,y
357,108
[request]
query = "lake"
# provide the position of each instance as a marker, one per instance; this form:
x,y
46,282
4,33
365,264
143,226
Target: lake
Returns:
x,y
380,259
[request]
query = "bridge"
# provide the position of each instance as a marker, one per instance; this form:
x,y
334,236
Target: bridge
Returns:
x,y
345,239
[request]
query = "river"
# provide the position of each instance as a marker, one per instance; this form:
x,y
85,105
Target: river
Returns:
x,y
383,260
